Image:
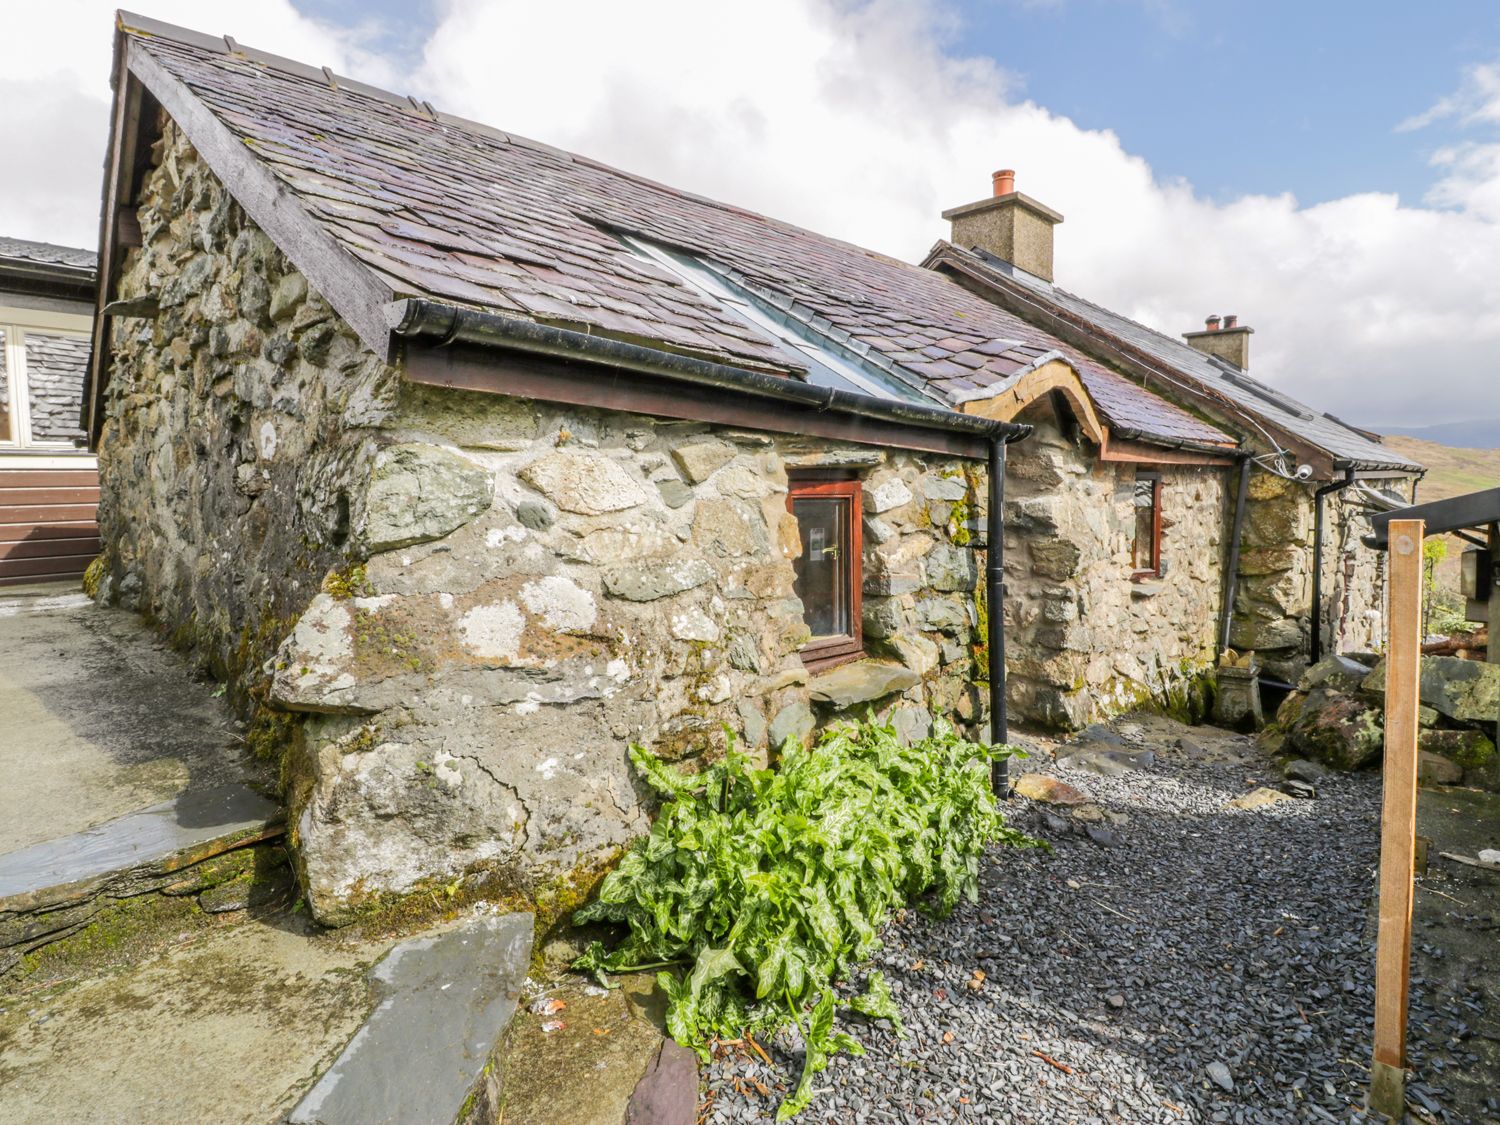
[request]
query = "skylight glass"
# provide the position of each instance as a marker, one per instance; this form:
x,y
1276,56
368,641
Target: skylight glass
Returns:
x,y
828,364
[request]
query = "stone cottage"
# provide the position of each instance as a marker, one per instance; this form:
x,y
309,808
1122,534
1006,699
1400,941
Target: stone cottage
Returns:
x,y
1304,584
465,462
49,486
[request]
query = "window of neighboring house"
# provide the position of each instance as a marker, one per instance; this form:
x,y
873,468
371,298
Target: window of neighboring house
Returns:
x,y
43,364
828,570
1148,524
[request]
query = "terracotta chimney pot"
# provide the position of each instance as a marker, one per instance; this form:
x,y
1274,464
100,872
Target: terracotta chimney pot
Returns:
x,y
1211,324
1230,320
1004,181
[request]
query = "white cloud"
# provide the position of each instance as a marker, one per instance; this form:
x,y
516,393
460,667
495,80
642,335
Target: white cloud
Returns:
x,y
55,60
865,120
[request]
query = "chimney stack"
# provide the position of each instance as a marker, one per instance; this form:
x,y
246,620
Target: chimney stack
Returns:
x,y
1013,227
1225,338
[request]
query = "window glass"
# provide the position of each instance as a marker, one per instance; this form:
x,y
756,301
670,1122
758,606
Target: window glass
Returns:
x,y
5,426
55,370
823,570
1147,497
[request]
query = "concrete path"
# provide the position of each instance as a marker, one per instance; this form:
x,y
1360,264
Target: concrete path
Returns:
x,y
231,1028
98,718
443,1002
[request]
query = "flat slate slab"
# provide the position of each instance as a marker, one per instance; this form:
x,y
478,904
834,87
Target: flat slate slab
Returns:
x,y
100,718
442,1003
136,839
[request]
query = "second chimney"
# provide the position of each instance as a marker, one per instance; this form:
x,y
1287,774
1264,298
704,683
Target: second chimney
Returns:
x,y
1013,227
1227,338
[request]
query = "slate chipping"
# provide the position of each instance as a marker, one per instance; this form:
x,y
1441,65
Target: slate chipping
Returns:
x,y
459,212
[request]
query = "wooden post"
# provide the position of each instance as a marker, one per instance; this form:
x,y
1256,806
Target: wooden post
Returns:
x,y
1398,818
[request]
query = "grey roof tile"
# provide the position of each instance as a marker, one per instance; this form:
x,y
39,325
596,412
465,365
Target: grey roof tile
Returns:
x,y
451,209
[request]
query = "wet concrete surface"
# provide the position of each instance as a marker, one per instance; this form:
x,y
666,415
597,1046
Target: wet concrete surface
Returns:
x,y
1454,1022
231,1025
100,718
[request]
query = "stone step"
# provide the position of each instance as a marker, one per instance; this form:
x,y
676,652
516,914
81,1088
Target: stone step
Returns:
x,y
52,889
442,1003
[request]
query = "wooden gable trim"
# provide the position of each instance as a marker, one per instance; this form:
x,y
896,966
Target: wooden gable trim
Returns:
x,y
1144,453
1054,375
342,280
1224,411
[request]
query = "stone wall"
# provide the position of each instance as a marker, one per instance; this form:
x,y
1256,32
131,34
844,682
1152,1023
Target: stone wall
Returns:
x,y
462,607
1083,640
1273,602
238,428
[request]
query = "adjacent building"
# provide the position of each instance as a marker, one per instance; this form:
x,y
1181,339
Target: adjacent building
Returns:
x,y
48,479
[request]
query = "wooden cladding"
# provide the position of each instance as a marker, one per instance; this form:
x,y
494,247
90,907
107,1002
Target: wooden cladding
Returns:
x,y
47,523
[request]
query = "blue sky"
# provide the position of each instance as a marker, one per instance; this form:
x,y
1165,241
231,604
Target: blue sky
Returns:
x,y
1211,157
1246,97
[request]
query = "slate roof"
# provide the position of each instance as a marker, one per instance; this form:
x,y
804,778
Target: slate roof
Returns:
x,y
46,254
439,207
1343,443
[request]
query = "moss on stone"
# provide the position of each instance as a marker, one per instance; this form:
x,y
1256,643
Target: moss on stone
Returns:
x,y
93,576
349,582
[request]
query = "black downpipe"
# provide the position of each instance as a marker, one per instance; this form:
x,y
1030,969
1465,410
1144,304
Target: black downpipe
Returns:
x,y
995,602
1232,564
1315,649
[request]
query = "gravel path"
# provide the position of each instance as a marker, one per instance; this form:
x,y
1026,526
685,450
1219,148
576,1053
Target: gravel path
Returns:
x,y
1205,965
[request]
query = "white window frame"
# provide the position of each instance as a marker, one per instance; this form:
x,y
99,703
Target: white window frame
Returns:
x,y
15,322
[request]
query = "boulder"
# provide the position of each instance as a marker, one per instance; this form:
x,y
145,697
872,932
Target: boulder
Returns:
x,y
1468,749
1259,799
1337,672
1466,691
1342,731
1048,790
1434,769
586,483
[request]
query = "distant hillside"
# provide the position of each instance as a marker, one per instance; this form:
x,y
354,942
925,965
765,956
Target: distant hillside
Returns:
x,y
1481,434
1450,472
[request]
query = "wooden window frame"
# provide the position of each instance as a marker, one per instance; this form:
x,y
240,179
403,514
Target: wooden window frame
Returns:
x,y
823,653
1137,574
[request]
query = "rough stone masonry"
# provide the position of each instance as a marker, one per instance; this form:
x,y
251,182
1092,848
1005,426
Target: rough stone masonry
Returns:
x,y
450,613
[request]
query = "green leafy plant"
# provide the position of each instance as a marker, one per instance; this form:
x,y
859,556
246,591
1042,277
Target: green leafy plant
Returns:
x,y
762,887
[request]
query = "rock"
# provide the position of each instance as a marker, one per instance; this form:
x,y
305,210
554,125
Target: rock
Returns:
x,y
535,514
885,491
793,721
912,723
1115,1000
860,682
585,483
1469,749
1099,834
674,493
1259,799
699,460
646,580
1463,690
290,292
1302,790
422,492
233,895
915,651
1219,1075
1300,769
1337,672
1104,759
729,528
1343,731
1048,790
1098,732
1434,769
951,569
1055,558
1056,825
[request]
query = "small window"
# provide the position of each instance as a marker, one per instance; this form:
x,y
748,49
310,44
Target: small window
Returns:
x,y
1147,501
828,570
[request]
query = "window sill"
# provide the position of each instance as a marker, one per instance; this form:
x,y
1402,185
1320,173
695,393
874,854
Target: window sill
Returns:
x,y
816,662
1146,586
